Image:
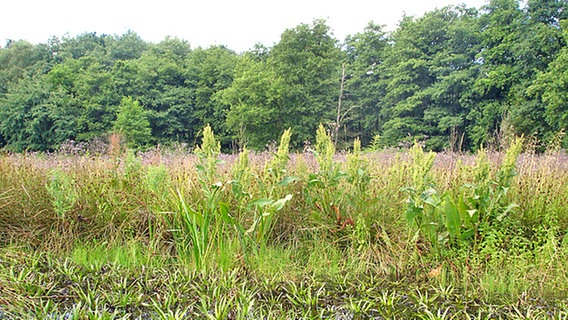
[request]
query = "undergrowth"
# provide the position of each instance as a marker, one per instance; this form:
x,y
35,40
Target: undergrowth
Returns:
x,y
391,234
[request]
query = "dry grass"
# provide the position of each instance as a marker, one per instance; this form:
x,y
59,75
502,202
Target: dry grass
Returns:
x,y
310,239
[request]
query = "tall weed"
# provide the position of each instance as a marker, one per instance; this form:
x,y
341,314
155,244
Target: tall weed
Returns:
x,y
61,188
359,199
195,230
323,190
266,205
444,219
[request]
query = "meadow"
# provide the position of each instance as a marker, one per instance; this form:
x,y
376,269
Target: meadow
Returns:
x,y
178,234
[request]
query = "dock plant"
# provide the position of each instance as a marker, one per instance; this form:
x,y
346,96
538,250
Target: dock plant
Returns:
x,y
445,219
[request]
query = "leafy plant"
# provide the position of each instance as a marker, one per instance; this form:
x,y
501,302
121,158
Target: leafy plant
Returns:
x,y
323,188
442,219
208,154
242,176
486,205
423,200
61,189
266,207
359,180
276,167
193,227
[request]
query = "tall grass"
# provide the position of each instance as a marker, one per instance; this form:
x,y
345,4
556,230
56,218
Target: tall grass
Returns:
x,y
426,233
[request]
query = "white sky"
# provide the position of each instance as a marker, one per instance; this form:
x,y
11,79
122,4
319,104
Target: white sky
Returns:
x,y
238,24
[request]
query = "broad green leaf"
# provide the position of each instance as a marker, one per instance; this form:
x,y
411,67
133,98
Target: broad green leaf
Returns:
x,y
453,221
467,234
200,168
411,213
433,201
262,202
224,210
507,210
279,204
287,180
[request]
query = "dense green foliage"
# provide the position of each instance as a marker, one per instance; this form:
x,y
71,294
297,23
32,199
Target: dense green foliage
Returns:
x,y
456,78
132,122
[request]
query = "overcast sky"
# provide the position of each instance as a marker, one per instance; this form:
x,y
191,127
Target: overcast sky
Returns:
x,y
238,24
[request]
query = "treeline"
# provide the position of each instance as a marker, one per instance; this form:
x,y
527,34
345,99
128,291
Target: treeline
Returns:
x,y
455,78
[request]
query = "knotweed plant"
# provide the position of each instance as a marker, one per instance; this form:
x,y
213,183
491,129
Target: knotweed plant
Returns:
x,y
357,169
483,204
325,151
208,154
242,176
274,179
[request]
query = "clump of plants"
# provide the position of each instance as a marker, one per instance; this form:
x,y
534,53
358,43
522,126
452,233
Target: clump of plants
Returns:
x,y
324,191
259,209
194,225
205,227
446,219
